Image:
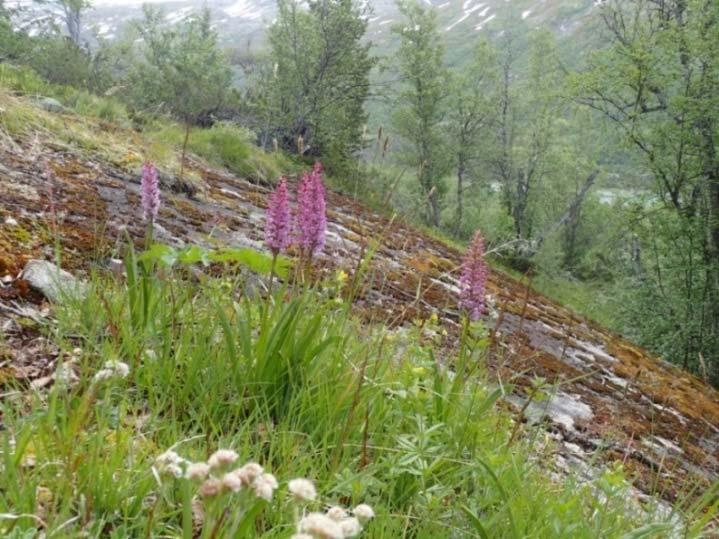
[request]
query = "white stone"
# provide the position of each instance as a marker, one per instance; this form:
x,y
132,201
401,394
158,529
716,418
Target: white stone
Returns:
x,y
55,283
561,408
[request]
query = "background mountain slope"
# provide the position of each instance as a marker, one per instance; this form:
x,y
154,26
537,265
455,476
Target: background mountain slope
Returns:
x,y
243,22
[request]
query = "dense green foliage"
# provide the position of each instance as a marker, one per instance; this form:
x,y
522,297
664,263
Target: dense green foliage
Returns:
x,y
658,83
312,87
469,116
535,139
179,69
52,56
420,108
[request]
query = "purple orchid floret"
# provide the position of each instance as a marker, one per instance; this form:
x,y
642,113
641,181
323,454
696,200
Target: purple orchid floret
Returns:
x,y
150,191
277,224
473,281
311,215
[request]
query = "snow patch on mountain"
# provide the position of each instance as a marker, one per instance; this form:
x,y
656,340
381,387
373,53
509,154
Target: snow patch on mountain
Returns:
x,y
485,21
462,18
243,9
484,12
477,7
179,15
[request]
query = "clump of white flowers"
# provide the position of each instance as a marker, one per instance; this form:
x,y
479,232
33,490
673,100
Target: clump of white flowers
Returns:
x,y
335,523
321,526
336,513
265,485
112,369
216,476
220,476
170,463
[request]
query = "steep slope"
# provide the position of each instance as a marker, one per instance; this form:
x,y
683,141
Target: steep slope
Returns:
x,y
609,397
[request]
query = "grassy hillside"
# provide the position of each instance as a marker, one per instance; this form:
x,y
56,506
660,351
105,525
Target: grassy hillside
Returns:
x,y
194,359
366,414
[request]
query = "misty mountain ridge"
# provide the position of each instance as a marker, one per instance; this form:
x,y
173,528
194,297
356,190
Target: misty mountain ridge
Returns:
x,y
242,23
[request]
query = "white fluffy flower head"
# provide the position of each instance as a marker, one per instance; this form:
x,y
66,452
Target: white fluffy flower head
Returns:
x,y
363,512
102,375
265,486
211,487
168,457
351,527
197,471
336,513
121,369
112,369
174,470
170,463
222,458
232,482
302,490
321,526
249,472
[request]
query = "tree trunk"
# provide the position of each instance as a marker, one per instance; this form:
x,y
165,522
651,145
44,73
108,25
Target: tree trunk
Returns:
x,y
573,209
460,195
521,203
184,150
710,325
72,22
434,207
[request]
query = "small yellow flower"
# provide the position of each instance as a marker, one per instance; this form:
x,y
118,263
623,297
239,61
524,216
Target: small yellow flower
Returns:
x,y
341,276
419,371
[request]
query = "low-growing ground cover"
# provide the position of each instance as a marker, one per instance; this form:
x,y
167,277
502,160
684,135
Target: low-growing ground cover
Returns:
x,y
161,360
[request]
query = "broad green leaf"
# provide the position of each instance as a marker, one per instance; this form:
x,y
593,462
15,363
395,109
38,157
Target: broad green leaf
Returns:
x,y
163,254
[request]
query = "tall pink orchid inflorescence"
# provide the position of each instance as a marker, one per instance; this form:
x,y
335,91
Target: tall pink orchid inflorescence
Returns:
x,y
473,280
311,217
277,223
150,191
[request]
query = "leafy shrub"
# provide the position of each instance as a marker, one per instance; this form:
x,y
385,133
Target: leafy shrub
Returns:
x,y
59,61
